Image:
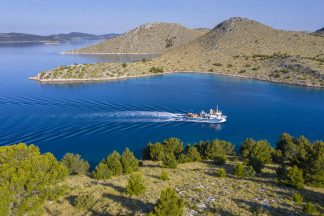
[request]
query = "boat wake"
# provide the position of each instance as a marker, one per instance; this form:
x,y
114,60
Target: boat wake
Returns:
x,y
135,116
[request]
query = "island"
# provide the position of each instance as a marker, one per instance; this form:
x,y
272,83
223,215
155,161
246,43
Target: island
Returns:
x,y
236,47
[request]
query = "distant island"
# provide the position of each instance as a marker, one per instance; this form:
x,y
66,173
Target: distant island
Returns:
x,y
9,38
236,47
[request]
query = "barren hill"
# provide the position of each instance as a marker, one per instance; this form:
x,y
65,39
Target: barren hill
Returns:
x,y
236,47
147,38
319,32
247,48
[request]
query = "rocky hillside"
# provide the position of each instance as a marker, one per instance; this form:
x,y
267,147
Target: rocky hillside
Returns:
x,y
236,47
247,48
147,38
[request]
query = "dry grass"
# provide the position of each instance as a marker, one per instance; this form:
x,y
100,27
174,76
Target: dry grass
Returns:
x,y
205,194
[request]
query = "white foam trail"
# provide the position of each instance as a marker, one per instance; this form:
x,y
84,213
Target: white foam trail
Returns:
x,y
133,116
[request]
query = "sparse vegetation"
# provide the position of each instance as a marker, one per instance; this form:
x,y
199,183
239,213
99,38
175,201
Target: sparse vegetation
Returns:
x,y
164,176
156,69
129,161
221,172
310,209
135,186
193,181
109,167
169,204
298,198
257,153
84,201
75,164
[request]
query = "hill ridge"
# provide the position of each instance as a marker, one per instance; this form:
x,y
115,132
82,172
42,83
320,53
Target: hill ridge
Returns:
x,y
156,37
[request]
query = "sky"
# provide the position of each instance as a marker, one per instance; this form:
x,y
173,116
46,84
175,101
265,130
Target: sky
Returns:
x,y
118,16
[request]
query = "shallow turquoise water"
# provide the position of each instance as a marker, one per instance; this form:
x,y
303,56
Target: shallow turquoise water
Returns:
x,y
95,118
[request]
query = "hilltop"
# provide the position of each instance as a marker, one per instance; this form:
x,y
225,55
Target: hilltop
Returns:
x,y
55,38
147,38
319,32
237,47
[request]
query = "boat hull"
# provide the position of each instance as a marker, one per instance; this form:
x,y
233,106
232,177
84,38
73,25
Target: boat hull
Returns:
x,y
202,120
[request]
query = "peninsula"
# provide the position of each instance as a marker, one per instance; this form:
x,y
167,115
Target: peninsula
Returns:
x,y
236,47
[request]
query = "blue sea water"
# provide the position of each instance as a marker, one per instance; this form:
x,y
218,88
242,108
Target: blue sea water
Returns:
x,y
95,118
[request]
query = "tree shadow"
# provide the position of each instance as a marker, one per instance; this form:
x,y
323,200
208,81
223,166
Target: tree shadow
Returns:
x,y
111,185
259,208
71,199
154,176
131,204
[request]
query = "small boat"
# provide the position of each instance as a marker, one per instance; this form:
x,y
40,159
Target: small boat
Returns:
x,y
213,116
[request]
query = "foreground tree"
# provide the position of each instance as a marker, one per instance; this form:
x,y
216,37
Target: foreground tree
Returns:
x,y
75,164
292,177
135,186
307,156
169,161
27,179
154,152
257,153
173,146
314,172
169,204
129,161
109,167
214,149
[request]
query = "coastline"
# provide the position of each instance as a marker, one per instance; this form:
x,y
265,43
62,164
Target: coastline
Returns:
x,y
78,53
74,80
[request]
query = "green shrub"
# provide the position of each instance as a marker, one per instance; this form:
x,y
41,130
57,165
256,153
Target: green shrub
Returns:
x,y
111,166
221,172
258,153
239,170
124,65
129,162
215,148
135,186
162,151
27,179
169,161
173,145
183,158
169,204
75,164
300,152
156,69
310,209
193,154
84,201
277,156
244,171
292,177
220,159
287,146
298,198
153,152
249,172
314,165
164,176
